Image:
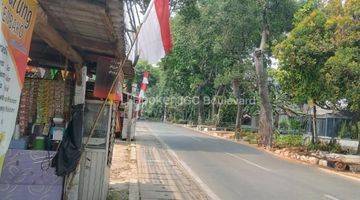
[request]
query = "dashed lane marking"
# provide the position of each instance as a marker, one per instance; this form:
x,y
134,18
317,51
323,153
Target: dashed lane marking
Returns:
x,y
249,162
327,196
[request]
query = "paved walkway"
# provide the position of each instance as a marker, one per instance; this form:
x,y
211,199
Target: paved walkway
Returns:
x,y
161,175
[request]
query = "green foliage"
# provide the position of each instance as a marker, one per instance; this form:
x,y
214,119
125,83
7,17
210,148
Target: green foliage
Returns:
x,y
284,124
213,41
295,125
289,140
227,113
344,130
302,56
331,146
291,125
319,60
252,138
354,129
305,10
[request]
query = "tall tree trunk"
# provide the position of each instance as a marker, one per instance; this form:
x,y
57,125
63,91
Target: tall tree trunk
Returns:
x,y
276,120
314,123
201,110
239,114
164,114
214,104
213,109
200,113
265,126
236,91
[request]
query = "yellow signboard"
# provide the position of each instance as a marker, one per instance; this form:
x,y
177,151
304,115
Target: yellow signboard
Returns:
x,y
17,24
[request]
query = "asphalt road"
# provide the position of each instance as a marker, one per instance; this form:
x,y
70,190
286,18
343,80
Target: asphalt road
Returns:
x,y
235,171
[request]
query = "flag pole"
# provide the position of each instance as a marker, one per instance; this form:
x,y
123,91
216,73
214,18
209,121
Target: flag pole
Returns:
x,y
121,65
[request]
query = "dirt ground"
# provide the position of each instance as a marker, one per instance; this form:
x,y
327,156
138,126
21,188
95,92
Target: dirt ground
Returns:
x,y
121,171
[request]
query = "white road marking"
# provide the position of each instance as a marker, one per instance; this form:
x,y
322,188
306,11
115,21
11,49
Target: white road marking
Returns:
x,y
345,176
330,197
249,162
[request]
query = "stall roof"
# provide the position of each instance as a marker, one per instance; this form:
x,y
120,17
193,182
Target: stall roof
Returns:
x,y
81,30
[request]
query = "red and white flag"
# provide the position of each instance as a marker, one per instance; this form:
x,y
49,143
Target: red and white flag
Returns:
x,y
154,40
143,88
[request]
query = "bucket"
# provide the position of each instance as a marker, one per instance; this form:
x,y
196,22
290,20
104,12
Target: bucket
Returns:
x,y
39,143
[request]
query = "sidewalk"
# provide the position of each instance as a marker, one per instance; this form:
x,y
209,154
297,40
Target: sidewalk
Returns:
x,y
146,170
161,175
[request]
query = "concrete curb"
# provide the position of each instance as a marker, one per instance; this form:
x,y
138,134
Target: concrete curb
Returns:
x,y
134,191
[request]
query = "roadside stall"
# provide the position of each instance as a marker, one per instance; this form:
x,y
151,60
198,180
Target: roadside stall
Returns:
x,y
44,110
43,115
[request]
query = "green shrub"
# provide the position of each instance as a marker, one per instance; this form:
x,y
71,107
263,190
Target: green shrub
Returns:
x,y
284,124
354,131
344,130
245,133
331,146
227,115
182,121
295,125
252,138
285,141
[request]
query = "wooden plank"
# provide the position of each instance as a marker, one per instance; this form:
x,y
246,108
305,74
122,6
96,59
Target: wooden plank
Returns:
x,y
86,176
82,187
98,175
91,45
67,12
53,38
78,5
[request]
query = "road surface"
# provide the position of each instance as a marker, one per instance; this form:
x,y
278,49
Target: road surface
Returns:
x,y
235,171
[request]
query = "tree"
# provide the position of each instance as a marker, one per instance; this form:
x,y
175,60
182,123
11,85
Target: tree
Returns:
x,y
236,22
319,58
214,40
274,17
342,70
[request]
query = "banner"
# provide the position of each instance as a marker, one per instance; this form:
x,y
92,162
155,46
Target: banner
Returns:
x,y
17,24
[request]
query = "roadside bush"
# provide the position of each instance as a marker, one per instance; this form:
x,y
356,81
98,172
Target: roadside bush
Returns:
x,y
295,125
284,124
285,141
291,125
332,147
344,131
252,138
355,133
244,133
182,121
227,115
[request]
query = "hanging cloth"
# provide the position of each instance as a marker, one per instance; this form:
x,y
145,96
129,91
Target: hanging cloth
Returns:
x,y
68,156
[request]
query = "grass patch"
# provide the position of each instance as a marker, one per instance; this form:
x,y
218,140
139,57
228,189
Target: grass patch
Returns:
x,y
118,195
289,140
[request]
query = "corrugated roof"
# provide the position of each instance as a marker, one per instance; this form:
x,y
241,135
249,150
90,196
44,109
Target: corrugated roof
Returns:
x,y
91,27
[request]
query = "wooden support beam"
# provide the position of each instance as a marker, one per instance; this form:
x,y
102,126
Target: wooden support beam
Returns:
x,y
91,44
53,38
46,63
